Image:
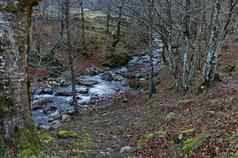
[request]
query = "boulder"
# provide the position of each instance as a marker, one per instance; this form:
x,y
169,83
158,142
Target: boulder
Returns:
x,y
86,82
171,116
65,117
118,78
55,124
107,76
93,70
43,91
63,92
82,90
126,149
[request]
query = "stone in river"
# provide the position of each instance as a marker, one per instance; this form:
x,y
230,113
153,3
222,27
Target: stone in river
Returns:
x,y
86,82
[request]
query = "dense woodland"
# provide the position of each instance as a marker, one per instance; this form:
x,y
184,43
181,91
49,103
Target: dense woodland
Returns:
x,y
118,78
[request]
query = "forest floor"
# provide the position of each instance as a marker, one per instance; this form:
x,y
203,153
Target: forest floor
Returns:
x,y
168,125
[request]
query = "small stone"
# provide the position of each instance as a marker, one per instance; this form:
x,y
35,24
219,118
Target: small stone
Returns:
x,y
107,76
86,82
56,124
171,116
65,117
125,100
126,149
44,127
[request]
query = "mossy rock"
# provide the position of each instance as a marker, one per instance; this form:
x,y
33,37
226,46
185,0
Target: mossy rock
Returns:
x,y
46,137
63,134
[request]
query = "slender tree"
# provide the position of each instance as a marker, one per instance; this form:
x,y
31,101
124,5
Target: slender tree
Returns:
x,y
69,48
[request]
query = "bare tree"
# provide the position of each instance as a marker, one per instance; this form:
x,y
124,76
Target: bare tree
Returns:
x,y
69,48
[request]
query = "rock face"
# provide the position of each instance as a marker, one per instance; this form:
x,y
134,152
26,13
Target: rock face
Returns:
x,y
14,33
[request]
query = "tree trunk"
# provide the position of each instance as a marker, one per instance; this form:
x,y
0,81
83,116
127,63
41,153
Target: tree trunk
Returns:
x,y
83,38
14,43
69,47
214,44
152,86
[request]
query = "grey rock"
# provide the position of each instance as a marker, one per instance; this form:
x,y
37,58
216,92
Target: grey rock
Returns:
x,y
126,149
65,117
107,76
55,125
171,116
44,127
86,82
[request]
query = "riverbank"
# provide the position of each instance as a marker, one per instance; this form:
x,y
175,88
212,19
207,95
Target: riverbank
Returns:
x,y
168,125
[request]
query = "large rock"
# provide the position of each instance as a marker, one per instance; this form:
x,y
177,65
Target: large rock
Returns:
x,y
107,76
93,70
118,77
126,149
63,92
43,91
86,82
82,90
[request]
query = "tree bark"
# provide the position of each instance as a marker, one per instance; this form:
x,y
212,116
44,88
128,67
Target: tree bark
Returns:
x,y
14,47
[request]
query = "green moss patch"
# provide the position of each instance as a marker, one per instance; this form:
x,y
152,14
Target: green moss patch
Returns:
x,y
46,137
192,144
29,142
63,134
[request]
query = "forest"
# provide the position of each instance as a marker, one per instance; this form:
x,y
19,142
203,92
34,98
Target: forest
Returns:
x,y
118,78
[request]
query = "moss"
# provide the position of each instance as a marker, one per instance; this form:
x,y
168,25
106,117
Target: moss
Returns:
x,y
63,134
143,140
29,145
81,147
46,137
191,144
6,105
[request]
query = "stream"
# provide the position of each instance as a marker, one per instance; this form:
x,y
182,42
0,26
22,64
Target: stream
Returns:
x,y
51,102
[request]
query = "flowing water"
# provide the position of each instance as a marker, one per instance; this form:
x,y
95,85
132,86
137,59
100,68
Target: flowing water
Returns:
x,y
49,104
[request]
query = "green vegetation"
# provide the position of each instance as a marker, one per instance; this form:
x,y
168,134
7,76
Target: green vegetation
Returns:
x,y
191,144
29,142
116,57
46,137
63,134
150,136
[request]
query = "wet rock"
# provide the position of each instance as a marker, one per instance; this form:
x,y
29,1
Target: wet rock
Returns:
x,y
123,72
65,117
43,91
86,82
92,71
55,125
41,103
82,90
63,83
44,127
118,78
68,109
52,112
63,92
107,76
